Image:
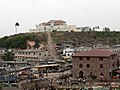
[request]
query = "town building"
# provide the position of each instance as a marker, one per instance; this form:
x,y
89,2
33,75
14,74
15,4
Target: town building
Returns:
x,y
94,64
101,46
116,48
38,70
82,48
31,54
113,48
54,25
68,52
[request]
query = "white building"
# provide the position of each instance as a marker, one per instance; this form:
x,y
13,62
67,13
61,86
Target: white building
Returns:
x,y
68,52
54,25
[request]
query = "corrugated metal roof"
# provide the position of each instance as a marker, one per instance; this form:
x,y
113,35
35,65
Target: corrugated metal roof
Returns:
x,y
49,65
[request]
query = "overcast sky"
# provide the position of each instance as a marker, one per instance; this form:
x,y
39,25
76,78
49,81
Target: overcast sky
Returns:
x,y
77,12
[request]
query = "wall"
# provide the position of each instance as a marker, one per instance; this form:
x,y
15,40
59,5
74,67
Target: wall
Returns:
x,y
42,28
31,54
94,66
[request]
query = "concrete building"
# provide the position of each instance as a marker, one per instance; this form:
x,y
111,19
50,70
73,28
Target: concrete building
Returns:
x,y
54,25
101,46
94,64
38,70
31,54
83,48
116,48
113,48
68,51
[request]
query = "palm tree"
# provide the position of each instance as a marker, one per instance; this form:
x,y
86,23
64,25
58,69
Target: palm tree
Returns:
x,y
16,25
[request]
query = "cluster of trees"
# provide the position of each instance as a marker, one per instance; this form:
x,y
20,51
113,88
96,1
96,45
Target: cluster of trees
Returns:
x,y
8,56
19,41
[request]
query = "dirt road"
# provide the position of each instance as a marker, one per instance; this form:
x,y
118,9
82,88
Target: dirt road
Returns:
x,y
51,48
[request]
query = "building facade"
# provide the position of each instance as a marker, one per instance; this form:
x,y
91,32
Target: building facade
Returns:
x,y
94,64
68,51
54,25
31,54
83,48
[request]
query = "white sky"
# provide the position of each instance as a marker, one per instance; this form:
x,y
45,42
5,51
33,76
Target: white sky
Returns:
x,y
78,12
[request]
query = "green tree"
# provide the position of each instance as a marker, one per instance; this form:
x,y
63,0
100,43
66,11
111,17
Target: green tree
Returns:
x,y
8,56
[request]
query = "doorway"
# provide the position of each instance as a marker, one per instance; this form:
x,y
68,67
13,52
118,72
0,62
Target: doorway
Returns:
x,y
80,74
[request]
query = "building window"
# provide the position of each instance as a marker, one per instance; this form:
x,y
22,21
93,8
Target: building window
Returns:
x,y
112,57
80,58
90,73
101,74
88,65
34,53
101,59
117,63
88,58
39,53
44,28
101,66
80,65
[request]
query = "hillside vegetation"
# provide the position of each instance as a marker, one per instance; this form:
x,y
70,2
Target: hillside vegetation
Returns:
x,y
19,41
110,38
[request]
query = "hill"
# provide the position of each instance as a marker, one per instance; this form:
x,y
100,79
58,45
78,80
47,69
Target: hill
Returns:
x,y
109,38
19,41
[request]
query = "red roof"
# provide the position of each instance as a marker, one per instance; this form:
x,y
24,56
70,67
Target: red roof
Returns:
x,y
23,73
57,21
97,52
118,71
45,24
